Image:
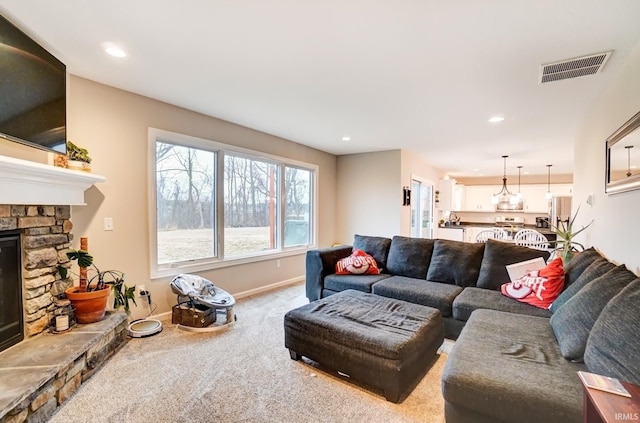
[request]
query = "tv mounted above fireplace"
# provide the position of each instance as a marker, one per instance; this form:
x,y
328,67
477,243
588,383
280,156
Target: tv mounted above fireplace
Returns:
x,y
32,91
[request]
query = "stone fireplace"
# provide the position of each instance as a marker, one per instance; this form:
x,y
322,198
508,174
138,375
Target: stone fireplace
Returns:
x,y
35,204
41,370
44,236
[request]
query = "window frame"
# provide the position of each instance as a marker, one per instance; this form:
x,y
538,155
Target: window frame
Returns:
x,y
221,150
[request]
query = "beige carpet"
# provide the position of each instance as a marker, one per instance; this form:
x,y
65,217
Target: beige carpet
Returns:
x,y
241,374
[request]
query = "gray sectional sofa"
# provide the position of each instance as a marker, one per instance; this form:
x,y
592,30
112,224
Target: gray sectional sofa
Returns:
x,y
511,362
453,277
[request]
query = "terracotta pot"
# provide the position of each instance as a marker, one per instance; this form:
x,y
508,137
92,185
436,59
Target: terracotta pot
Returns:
x,y
89,306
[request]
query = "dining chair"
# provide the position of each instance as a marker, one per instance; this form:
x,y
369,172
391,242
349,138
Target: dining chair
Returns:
x,y
532,239
493,233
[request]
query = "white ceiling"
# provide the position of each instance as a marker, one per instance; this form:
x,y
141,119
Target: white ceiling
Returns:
x,y
419,75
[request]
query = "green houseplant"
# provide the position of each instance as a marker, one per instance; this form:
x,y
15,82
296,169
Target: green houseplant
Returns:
x,y
79,158
96,288
565,246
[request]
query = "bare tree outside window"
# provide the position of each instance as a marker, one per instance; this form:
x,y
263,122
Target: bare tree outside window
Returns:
x,y
297,229
258,196
185,203
249,205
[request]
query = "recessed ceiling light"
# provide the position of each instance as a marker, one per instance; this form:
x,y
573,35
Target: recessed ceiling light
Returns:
x,y
496,119
476,170
113,50
346,138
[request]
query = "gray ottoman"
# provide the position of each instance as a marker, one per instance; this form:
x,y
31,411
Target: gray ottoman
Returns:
x,y
385,343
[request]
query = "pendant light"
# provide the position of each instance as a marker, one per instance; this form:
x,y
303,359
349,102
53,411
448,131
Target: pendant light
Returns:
x,y
504,193
628,147
516,198
549,182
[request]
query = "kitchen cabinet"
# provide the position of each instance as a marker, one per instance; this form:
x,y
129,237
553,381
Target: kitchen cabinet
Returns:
x,y
450,196
458,197
453,234
471,232
561,190
535,198
478,198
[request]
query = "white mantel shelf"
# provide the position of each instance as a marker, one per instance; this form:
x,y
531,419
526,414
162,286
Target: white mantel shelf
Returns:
x,y
31,183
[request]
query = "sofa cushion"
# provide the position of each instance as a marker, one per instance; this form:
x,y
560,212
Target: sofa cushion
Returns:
x,y
498,255
574,268
455,262
614,341
358,282
410,257
537,287
574,320
597,268
358,263
472,299
508,367
377,246
419,291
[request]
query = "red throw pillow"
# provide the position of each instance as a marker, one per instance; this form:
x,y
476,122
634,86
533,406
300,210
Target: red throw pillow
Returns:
x,y
358,263
537,287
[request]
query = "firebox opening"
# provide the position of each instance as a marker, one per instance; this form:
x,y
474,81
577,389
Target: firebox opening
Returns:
x,y
11,316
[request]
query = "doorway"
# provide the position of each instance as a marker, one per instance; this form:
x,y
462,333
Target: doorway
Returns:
x,y
421,209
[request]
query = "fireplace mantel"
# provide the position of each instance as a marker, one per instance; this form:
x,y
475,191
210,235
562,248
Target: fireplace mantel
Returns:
x,y
28,183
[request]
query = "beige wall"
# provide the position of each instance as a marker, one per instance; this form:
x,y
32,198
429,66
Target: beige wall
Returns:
x,y
370,193
414,167
616,227
112,124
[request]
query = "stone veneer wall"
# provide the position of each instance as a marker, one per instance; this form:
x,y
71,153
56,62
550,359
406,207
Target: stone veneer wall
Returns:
x,y
45,236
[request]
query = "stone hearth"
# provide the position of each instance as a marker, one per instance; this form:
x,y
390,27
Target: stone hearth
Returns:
x,y
39,374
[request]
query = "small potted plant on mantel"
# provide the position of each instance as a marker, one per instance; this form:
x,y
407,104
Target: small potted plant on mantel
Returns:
x,y
90,297
78,158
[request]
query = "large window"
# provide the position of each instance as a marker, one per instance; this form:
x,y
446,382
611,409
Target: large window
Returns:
x,y
215,204
250,215
297,210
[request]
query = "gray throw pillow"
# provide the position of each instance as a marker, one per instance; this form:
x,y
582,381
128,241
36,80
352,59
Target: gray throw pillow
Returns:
x,y
596,269
410,257
376,246
578,264
455,262
573,321
614,342
497,255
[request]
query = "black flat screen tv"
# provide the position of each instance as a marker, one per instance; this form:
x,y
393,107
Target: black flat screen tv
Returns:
x,y
33,108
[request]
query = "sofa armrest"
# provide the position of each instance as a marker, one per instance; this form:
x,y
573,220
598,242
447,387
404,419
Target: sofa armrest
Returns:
x,y
320,263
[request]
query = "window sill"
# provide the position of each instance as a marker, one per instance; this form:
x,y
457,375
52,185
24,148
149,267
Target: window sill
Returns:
x,y
219,264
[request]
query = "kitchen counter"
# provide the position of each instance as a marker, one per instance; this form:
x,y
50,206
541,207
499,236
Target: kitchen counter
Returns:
x,y
545,231
458,232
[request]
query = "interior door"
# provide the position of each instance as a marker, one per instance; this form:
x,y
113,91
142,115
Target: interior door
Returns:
x,y
421,209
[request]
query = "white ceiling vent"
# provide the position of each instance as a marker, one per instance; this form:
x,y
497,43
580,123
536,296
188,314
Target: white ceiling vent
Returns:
x,y
573,68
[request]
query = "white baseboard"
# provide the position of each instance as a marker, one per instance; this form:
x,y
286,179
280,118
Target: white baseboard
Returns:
x,y
268,288
244,294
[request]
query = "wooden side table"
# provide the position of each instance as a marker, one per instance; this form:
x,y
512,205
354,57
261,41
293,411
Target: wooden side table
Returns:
x,y
603,407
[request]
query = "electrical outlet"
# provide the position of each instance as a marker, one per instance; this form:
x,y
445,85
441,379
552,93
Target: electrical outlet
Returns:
x,y
277,264
141,289
108,223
